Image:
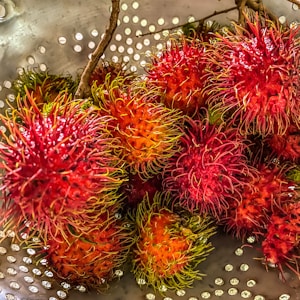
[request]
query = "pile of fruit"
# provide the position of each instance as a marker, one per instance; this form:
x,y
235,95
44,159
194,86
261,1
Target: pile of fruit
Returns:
x,y
148,168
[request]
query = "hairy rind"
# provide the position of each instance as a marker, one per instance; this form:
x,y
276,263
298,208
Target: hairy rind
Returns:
x,y
196,229
211,167
18,153
177,70
270,69
265,194
107,70
44,83
281,242
107,243
133,109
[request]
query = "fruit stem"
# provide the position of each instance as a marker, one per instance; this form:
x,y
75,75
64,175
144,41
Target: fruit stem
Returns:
x,y
257,5
297,2
83,90
241,6
215,13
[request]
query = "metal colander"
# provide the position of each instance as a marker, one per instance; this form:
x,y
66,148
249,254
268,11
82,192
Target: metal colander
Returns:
x,y
60,36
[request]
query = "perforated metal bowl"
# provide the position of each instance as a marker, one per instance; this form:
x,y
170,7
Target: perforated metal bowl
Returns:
x,y
60,36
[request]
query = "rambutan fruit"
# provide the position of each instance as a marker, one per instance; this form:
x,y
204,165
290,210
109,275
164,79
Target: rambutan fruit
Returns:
x,y
210,167
281,244
56,167
171,242
135,188
111,70
249,214
43,86
287,145
91,254
148,132
252,76
177,71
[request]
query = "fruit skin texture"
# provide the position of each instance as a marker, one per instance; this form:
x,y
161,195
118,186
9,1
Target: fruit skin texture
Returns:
x,y
177,71
287,145
91,257
254,77
171,242
209,169
148,132
281,244
136,188
266,192
57,167
43,86
109,70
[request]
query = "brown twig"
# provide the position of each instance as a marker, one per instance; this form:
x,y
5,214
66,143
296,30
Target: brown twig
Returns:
x,y
215,13
297,2
83,90
241,7
257,5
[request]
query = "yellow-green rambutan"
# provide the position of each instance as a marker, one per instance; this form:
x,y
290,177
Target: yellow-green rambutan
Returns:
x,y
171,242
44,86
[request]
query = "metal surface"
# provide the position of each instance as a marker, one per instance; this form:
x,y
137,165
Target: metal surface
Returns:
x,y
60,36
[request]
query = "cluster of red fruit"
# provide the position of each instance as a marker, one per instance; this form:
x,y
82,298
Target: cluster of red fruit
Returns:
x,y
145,169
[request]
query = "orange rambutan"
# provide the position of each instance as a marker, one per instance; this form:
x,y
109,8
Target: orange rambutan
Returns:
x,y
91,254
148,132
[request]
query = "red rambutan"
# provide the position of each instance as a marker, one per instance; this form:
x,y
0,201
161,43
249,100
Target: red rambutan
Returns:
x,y
287,145
111,70
177,71
281,244
253,76
264,193
56,167
136,188
210,167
